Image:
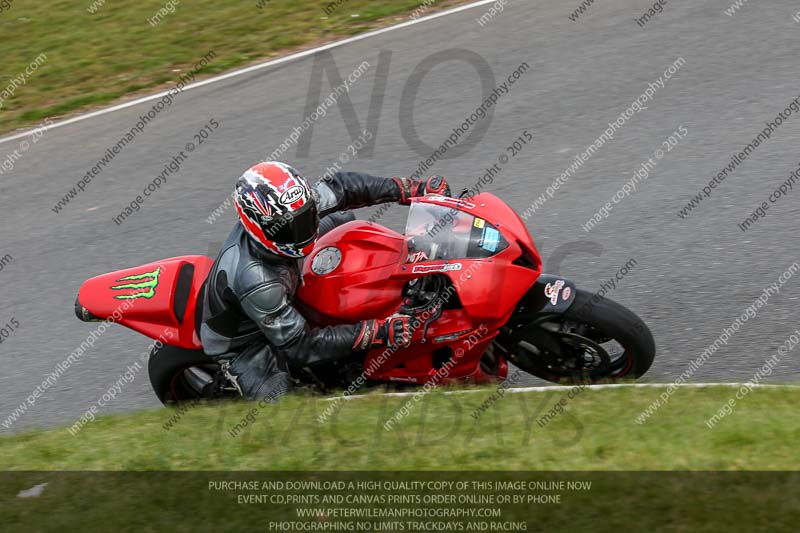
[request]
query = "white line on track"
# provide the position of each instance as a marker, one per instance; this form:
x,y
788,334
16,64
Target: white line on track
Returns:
x,y
252,68
568,387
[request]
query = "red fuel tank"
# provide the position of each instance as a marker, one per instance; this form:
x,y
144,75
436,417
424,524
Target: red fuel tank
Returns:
x,y
351,274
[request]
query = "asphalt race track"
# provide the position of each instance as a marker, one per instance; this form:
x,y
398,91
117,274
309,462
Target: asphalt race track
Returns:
x,y
692,276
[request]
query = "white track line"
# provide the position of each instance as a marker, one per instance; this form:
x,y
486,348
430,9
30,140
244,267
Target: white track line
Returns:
x,y
547,388
253,68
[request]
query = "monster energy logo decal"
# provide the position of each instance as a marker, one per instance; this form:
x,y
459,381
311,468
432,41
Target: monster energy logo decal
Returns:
x,y
143,285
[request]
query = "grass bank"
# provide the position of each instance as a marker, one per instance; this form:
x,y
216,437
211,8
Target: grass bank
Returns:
x,y
203,474
597,431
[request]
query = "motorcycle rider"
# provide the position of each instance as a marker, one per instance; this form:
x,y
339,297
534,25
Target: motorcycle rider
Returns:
x,y
247,309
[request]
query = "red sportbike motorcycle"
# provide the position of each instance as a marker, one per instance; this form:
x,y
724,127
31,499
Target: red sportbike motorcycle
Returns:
x,y
466,269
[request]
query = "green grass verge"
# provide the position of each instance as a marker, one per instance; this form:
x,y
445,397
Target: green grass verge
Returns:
x,y
596,432
93,59
441,441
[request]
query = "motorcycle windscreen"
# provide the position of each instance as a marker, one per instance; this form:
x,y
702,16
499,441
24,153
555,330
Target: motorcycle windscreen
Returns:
x,y
435,232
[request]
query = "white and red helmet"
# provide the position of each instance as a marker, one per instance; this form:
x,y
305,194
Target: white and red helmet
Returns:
x,y
278,209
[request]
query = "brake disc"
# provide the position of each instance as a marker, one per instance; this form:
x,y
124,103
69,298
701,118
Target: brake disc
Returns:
x,y
591,356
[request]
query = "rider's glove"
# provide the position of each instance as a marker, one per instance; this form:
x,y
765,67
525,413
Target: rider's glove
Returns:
x,y
394,332
411,188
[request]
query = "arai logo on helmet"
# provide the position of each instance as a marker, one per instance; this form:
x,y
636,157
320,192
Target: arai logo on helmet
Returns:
x,y
291,195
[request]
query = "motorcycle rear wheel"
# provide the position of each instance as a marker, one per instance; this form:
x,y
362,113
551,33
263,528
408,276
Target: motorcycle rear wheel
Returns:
x,y
592,342
174,373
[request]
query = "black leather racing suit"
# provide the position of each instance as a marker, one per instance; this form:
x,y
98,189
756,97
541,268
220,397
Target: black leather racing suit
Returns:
x,y
247,307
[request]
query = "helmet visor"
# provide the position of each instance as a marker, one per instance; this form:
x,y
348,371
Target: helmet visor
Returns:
x,y
299,227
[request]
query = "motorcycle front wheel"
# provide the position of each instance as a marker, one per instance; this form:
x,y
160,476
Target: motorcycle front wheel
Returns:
x,y
595,340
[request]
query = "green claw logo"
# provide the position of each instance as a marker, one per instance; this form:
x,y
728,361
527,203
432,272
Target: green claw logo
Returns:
x,y
144,285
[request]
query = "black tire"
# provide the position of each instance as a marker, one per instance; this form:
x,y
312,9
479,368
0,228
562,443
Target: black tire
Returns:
x,y
620,323
599,320
165,367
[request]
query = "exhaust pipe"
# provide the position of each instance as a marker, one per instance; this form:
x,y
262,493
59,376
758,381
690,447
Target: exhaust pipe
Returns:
x,y
83,314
